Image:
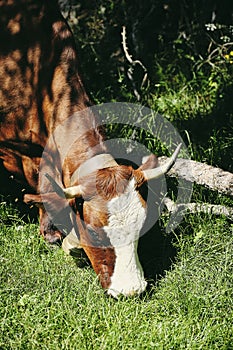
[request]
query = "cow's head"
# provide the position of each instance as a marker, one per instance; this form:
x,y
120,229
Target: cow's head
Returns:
x,y
111,218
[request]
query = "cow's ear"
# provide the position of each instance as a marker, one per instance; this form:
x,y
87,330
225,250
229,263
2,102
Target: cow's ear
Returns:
x,y
51,202
149,162
33,199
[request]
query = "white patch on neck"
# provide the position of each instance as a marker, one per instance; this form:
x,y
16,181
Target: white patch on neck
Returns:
x,y
126,217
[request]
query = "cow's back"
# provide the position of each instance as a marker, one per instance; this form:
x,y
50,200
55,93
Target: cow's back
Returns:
x,y
39,83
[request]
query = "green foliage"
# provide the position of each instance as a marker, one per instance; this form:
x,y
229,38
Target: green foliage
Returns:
x,y
187,49
175,36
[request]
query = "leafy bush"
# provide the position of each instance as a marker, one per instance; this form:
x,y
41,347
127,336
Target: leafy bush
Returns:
x,y
187,50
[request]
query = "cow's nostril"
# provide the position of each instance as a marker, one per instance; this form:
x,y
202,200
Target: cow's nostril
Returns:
x,y
53,238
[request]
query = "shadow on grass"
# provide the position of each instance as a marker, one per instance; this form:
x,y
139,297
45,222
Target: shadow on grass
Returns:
x,y
80,258
212,132
156,254
12,194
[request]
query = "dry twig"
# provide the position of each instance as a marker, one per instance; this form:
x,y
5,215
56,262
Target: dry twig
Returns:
x,y
133,63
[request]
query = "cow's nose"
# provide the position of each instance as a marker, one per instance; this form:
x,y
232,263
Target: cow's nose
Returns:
x,y
127,293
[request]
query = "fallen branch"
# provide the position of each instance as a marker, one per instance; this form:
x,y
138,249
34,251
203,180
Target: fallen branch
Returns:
x,y
206,208
203,174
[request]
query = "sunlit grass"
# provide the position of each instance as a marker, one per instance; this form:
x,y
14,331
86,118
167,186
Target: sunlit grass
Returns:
x,y
49,303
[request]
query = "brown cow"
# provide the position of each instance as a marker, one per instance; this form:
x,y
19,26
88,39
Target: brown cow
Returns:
x,y
40,89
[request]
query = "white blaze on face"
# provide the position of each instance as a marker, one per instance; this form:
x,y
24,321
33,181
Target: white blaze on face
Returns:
x,y
126,217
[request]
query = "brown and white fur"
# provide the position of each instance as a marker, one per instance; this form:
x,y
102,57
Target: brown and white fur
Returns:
x,y
40,88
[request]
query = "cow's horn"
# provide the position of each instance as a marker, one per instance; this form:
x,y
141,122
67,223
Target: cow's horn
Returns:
x,y
72,192
69,192
150,174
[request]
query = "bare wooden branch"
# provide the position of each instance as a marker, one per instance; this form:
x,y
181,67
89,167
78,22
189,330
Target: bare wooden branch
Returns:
x,y
132,63
203,174
206,208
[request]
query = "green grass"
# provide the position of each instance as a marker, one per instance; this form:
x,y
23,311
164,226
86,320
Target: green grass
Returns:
x,y
47,302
